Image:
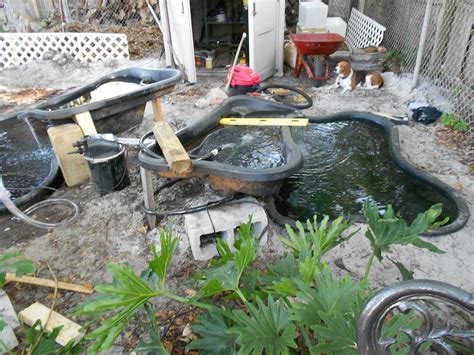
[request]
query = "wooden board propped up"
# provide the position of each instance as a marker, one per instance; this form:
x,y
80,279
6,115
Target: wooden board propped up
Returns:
x,y
73,166
84,120
178,160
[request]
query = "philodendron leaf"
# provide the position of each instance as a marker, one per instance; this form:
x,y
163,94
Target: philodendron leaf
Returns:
x,y
159,264
406,274
124,296
265,330
154,346
328,297
214,337
226,277
13,262
389,230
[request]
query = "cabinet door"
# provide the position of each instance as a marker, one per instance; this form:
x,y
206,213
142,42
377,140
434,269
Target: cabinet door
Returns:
x,y
179,16
266,30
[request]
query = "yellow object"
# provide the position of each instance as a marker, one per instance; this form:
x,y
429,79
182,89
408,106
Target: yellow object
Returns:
x,y
264,121
209,62
243,60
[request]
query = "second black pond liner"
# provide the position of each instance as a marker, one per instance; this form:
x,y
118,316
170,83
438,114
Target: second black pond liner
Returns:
x,y
27,161
346,163
246,146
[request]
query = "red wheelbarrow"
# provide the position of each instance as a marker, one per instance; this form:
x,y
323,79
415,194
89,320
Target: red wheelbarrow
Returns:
x,y
314,44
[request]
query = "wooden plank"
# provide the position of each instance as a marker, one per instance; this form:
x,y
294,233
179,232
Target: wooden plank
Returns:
x,y
73,166
255,121
84,120
49,283
157,110
173,151
70,330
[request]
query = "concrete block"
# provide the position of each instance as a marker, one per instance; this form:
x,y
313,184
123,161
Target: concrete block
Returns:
x,y
226,220
8,315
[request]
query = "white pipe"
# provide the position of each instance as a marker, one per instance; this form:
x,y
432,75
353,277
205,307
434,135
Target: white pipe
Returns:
x,y
361,5
421,47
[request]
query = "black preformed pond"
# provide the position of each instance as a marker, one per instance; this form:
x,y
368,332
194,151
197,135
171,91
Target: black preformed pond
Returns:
x,y
346,163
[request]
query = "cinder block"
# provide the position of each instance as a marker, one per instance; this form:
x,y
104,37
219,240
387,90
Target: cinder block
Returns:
x,y
226,220
8,315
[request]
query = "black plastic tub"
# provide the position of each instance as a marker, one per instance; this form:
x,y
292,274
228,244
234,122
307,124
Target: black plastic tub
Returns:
x,y
427,187
27,162
228,177
112,115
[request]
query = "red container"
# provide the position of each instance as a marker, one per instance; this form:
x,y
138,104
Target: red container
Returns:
x,y
317,43
243,76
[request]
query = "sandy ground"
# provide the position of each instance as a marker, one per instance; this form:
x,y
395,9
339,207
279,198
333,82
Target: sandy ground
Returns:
x,y
112,228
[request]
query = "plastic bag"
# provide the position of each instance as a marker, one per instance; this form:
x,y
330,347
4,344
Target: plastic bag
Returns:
x,y
426,115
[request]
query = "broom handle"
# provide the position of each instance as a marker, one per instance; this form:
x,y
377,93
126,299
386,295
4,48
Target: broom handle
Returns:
x,y
229,78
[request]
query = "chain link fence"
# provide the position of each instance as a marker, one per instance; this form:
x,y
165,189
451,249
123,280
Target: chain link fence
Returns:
x,y
448,56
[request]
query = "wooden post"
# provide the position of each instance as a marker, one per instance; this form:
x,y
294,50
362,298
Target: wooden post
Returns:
x,y
157,110
148,196
178,160
173,151
84,120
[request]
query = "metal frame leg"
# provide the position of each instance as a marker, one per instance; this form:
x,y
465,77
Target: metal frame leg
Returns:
x,y
148,196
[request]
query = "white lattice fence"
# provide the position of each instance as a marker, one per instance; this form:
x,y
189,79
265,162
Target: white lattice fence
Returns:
x,y
362,31
22,48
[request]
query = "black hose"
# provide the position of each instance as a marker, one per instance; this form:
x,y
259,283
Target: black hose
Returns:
x,y
293,89
162,214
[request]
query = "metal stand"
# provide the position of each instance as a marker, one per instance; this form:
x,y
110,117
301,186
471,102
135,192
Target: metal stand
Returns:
x,y
148,196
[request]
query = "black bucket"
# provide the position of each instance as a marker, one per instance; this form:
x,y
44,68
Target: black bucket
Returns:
x,y
106,159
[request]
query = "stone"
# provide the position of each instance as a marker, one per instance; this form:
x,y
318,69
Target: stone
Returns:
x,y
8,315
226,220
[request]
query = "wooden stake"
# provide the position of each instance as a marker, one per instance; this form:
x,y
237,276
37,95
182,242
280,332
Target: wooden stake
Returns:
x,y
157,110
84,120
49,283
173,151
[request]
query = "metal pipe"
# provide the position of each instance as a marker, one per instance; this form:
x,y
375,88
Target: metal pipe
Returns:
x,y
361,5
421,47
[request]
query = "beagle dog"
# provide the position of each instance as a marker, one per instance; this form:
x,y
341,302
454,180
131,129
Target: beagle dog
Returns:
x,y
349,79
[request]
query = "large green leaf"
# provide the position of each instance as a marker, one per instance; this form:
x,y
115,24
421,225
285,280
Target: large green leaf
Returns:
x,y
125,295
329,297
319,238
159,264
389,230
14,262
154,346
226,277
266,329
42,343
214,337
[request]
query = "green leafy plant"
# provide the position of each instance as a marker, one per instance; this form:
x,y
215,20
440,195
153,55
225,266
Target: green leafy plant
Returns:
x,y
292,305
394,60
384,232
14,262
455,123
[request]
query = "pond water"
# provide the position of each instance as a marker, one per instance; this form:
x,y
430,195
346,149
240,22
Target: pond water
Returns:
x,y
346,163
25,155
246,146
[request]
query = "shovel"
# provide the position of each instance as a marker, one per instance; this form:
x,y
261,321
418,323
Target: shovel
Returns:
x,y
217,95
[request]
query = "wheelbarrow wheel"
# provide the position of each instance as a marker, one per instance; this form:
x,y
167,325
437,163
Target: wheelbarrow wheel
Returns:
x,y
288,95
